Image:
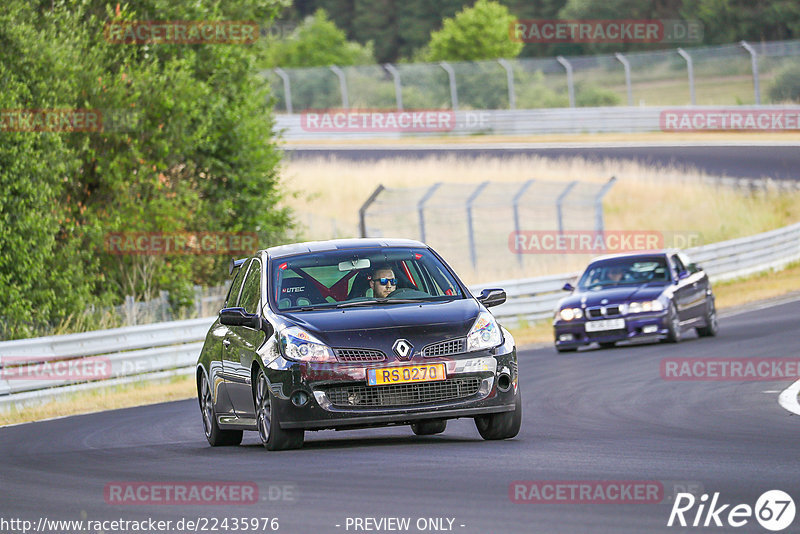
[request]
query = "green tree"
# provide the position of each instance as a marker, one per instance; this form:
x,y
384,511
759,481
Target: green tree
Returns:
x,y
316,42
479,32
186,145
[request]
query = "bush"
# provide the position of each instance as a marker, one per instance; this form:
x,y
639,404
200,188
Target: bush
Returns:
x,y
786,86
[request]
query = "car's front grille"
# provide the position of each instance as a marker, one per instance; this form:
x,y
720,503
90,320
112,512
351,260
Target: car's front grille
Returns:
x,y
603,311
445,348
359,355
404,394
605,333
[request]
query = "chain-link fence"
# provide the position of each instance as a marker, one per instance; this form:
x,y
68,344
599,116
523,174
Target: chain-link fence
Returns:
x,y
472,225
737,74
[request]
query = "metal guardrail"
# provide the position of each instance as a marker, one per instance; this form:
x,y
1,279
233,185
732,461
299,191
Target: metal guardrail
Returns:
x,y
619,119
162,350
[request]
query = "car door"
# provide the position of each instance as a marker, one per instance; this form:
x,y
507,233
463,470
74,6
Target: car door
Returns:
x,y
697,283
682,294
240,345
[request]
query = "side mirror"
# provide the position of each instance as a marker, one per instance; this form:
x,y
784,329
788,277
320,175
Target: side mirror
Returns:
x,y
492,297
568,287
683,274
239,317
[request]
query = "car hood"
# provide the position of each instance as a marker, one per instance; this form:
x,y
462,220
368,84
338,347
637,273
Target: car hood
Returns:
x,y
615,295
380,325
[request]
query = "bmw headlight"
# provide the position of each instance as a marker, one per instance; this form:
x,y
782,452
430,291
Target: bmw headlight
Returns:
x,y
484,334
568,314
645,306
299,345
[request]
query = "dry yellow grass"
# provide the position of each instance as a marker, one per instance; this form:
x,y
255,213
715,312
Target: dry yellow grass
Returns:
x,y
674,201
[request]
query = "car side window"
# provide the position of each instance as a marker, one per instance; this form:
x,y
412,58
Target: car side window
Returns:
x,y
676,261
251,291
233,292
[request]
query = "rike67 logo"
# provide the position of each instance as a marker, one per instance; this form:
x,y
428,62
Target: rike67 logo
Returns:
x,y
774,510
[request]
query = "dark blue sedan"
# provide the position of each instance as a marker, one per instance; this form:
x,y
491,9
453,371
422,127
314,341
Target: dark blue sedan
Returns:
x,y
644,296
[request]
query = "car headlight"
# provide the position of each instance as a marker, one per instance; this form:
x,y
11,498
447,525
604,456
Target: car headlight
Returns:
x,y
645,306
484,334
568,314
301,346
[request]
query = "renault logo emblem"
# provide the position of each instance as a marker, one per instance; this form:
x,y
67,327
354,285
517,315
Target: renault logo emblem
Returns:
x,y
403,349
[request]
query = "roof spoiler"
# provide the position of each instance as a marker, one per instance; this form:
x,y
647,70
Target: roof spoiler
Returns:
x,y
234,264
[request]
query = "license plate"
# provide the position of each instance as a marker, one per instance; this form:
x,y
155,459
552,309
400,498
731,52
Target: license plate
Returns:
x,y
409,373
605,324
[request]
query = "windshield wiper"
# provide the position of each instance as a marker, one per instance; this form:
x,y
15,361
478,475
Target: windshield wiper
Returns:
x,y
378,301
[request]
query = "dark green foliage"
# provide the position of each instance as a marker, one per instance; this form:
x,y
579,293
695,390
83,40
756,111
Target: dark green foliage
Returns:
x,y
191,151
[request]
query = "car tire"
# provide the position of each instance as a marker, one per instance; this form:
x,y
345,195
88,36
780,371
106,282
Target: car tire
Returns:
x,y
429,427
608,344
273,437
566,349
673,325
503,425
214,434
710,330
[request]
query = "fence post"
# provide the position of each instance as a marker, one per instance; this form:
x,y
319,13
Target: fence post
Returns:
x,y
421,209
754,63
287,88
570,82
362,211
690,68
627,66
512,97
560,203
398,87
515,203
130,310
470,229
451,74
342,85
598,205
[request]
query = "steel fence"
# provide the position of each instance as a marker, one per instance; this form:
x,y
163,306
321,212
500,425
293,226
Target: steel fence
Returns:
x,y
734,74
473,222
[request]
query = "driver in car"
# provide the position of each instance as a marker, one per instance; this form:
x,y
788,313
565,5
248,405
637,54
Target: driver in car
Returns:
x,y
382,282
616,273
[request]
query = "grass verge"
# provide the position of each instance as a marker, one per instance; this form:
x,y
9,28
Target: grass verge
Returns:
x,y
729,294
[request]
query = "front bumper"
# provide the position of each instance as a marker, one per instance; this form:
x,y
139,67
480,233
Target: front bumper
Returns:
x,y
494,374
571,334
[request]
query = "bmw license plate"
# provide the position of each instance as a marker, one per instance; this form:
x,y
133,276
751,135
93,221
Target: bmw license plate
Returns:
x,y
605,324
410,373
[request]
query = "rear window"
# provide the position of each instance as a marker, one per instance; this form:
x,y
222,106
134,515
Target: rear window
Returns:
x,y
331,279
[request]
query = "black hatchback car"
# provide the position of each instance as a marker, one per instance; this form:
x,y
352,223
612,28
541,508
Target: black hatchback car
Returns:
x,y
350,334
642,296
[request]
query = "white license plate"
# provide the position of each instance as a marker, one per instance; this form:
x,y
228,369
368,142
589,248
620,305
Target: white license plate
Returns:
x,y
605,324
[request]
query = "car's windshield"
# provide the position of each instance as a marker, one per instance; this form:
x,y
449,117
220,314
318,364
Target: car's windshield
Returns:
x,y
356,277
619,271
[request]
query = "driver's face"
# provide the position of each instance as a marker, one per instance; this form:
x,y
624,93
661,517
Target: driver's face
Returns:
x,y
379,290
615,274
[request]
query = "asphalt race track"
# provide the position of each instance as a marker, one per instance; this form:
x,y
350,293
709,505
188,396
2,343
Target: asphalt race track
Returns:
x,y
594,415
738,161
